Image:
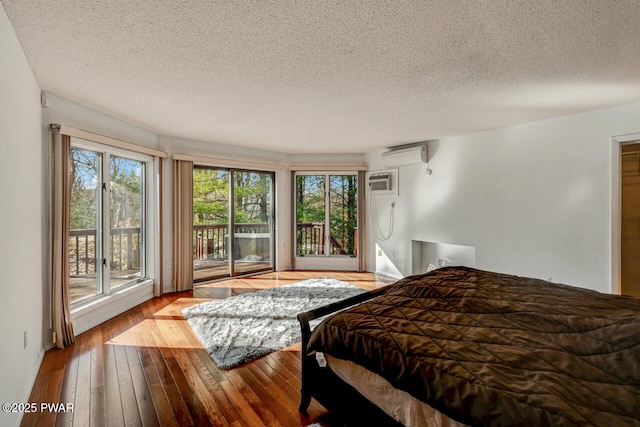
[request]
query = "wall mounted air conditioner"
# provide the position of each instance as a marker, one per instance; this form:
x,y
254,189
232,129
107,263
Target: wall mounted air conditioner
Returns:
x,y
379,182
407,155
382,182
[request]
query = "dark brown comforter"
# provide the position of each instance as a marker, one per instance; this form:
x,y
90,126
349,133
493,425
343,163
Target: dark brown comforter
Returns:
x,y
492,349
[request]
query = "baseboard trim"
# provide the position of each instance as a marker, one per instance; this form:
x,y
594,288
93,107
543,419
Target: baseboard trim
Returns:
x,y
387,274
32,381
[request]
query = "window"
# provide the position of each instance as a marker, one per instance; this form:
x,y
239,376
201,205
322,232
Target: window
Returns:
x,y
108,220
326,220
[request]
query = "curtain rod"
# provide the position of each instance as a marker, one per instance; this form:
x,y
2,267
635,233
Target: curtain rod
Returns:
x,y
107,140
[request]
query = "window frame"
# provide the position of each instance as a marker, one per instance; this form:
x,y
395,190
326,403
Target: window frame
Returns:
x,y
326,260
104,289
231,266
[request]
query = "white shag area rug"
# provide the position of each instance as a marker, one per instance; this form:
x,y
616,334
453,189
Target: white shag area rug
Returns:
x,y
238,329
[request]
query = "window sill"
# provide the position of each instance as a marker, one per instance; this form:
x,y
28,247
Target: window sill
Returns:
x,y
100,309
322,262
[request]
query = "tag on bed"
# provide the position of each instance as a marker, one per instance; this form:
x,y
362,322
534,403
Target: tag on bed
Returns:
x,y
322,362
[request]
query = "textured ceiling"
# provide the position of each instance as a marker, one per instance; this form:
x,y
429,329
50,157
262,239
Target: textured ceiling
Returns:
x,y
317,76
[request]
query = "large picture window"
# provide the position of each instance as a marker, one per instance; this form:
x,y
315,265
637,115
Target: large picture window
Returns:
x,y
326,220
108,227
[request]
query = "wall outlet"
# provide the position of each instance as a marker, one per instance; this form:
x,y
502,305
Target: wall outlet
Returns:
x,y
26,338
168,264
443,262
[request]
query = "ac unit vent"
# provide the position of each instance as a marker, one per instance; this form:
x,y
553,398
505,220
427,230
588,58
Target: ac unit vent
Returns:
x,y
380,182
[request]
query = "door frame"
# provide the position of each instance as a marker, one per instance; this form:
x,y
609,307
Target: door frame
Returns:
x,y
616,208
231,261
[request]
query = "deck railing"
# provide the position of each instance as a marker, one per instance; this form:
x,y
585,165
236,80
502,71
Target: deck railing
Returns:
x,y
82,252
310,240
209,242
125,247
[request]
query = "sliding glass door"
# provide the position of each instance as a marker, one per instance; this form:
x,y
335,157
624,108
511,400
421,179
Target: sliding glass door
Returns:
x,y
211,225
326,228
253,221
233,231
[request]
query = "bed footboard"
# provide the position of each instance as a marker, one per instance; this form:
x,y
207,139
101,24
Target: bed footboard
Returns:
x,y
310,372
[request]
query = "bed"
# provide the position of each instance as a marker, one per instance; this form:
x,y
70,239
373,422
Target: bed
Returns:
x,y
461,346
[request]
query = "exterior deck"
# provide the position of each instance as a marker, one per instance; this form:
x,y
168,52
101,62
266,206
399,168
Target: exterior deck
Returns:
x,y
210,253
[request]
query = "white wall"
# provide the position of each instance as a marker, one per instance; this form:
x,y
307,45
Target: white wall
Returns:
x,y
533,199
22,224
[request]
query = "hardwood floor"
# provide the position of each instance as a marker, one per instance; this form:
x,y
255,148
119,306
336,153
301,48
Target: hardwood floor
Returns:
x,y
146,368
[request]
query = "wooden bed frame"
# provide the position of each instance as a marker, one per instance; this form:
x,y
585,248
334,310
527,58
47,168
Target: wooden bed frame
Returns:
x,y
326,387
467,290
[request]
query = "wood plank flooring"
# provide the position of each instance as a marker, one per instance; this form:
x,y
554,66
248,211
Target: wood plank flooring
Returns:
x,y
146,368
